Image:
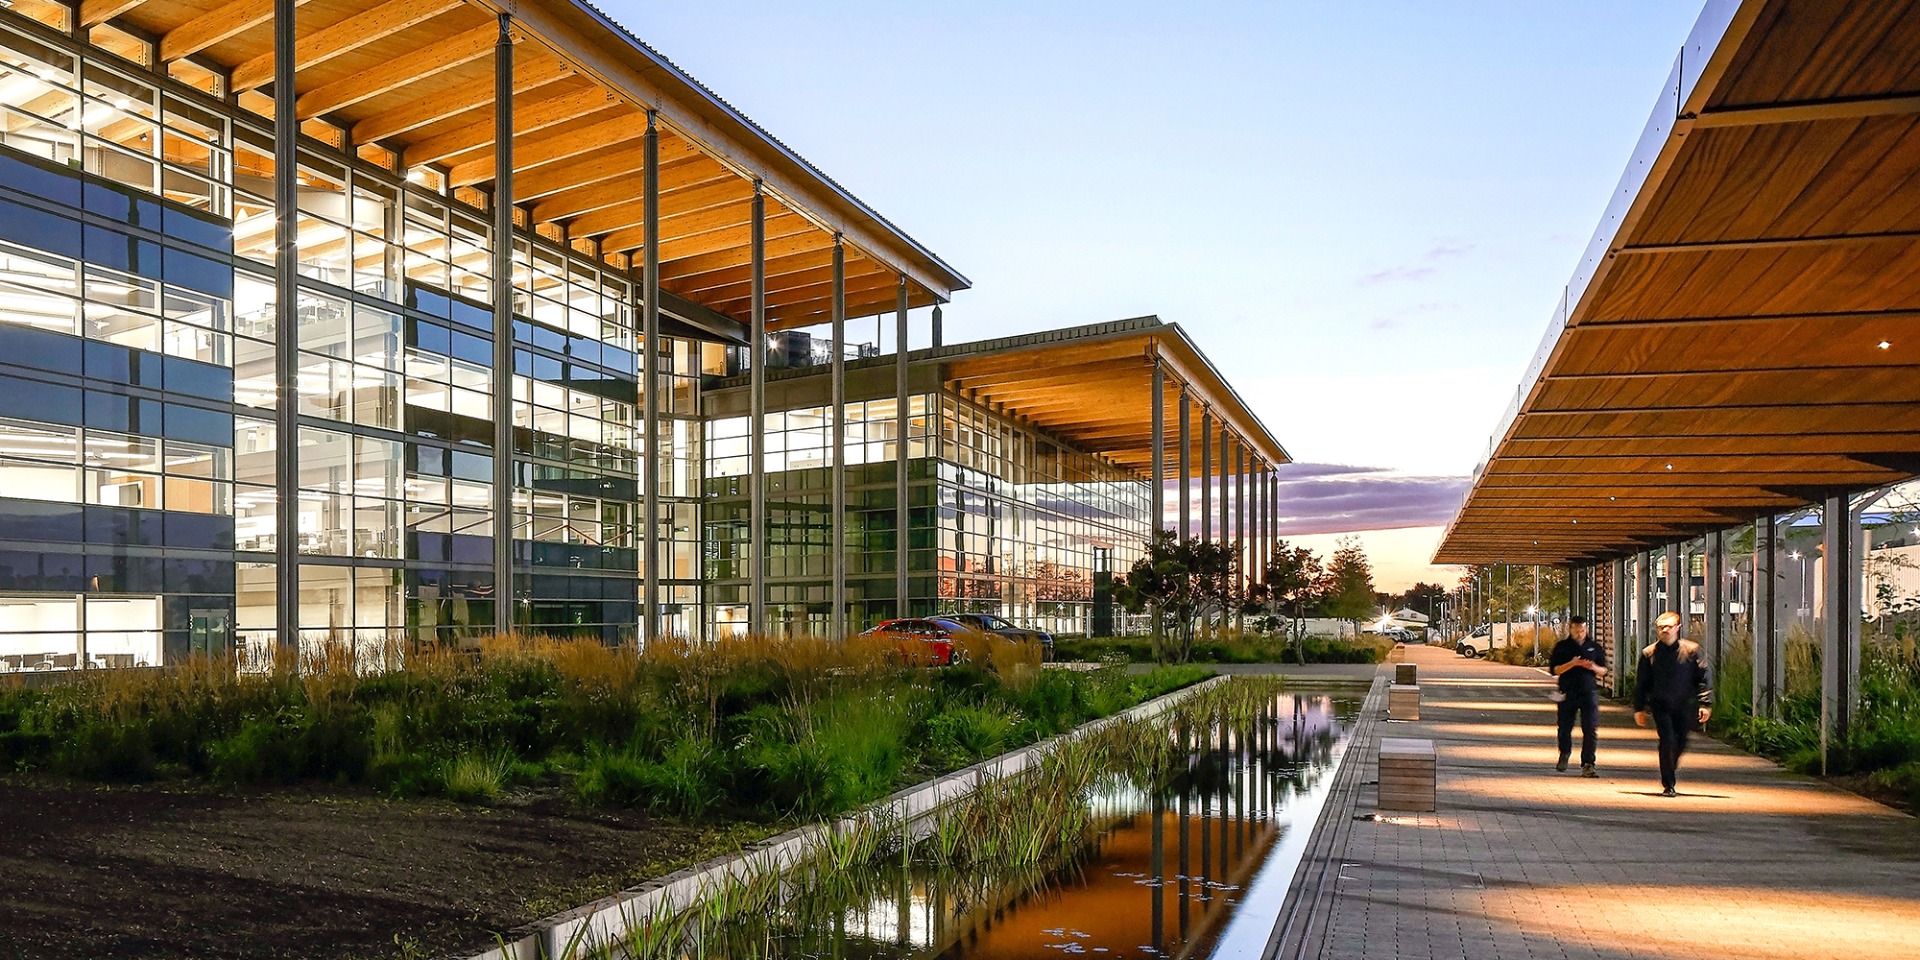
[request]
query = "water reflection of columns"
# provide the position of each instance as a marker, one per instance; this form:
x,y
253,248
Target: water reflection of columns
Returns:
x,y
1157,866
1204,761
1186,788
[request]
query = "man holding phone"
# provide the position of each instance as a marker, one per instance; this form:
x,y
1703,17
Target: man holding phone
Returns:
x,y
1580,662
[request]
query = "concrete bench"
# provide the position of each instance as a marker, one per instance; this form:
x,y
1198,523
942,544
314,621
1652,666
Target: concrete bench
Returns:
x,y
1407,773
1403,702
1406,673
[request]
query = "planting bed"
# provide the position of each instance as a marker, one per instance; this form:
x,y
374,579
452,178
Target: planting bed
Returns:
x,y
158,872
309,812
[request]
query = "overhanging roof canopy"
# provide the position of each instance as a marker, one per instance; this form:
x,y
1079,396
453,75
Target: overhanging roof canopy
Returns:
x,y
1093,387
416,77
1743,333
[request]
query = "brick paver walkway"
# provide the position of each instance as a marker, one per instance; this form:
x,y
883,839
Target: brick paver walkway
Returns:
x,y
1750,863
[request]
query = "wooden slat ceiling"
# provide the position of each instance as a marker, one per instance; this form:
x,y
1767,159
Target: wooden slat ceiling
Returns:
x,y
1095,391
416,77
1750,336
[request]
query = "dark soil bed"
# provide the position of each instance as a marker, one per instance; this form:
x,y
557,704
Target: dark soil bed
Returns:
x,y
88,872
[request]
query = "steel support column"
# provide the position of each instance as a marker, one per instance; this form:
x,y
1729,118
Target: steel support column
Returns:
x,y
650,380
938,327
1768,667
757,417
286,270
1643,601
1225,530
1840,627
1206,473
502,288
903,539
1678,586
1186,469
1714,599
837,398
1240,549
1622,626
1159,379
1159,401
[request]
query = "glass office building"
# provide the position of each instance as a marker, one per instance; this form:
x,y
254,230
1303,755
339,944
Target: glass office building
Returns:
x,y
1028,481
386,380
1002,517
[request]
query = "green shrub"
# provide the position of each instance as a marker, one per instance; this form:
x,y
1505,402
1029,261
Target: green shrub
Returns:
x,y
263,750
475,777
754,727
962,735
611,777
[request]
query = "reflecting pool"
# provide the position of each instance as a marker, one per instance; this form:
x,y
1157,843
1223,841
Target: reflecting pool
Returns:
x,y
1188,856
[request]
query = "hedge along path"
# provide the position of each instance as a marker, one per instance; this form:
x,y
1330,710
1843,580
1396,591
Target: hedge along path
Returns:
x,y
606,926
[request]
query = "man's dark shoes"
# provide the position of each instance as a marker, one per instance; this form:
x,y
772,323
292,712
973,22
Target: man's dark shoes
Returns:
x,y
1586,770
1561,767
1669,792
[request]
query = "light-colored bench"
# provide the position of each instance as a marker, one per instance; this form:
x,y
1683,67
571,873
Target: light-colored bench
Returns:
x,y
1407,773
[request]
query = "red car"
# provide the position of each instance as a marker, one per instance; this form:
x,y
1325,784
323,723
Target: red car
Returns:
x,y
920,640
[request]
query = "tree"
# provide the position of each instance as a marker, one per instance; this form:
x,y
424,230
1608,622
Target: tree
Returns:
x,y
1184,582
1293,583
1349,582
1424,597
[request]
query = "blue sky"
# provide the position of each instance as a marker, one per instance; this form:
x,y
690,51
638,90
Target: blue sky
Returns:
x,y
1363,211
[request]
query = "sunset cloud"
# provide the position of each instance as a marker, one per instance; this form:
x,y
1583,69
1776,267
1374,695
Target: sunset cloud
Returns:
x,y
1339,498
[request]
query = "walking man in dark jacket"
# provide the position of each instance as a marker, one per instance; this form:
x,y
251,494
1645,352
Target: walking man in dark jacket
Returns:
x,y
1579,661
1672,686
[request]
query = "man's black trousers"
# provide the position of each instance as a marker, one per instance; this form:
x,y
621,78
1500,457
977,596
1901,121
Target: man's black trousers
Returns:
x,y
1585,706
1673,724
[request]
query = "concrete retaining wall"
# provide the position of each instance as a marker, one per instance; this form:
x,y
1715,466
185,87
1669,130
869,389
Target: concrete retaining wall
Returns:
x,y
608,919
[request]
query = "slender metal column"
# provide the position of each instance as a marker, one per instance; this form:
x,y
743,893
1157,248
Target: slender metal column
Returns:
x,y
1273,511
1679,585
1254,503
1159,446
838,399
1225,486
1767,667
1206,473
650,379
1241,548
1840,627
286,271
1714,599
1186,472
1643,599
1621,627
757,421
1159,500
902,535
939,327
502,288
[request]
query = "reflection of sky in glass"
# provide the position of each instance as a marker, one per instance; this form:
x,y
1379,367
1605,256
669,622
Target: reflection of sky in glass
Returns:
x,y
1166,877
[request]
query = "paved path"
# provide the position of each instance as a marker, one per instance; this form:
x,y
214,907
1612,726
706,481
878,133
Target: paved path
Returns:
x,y
1750,863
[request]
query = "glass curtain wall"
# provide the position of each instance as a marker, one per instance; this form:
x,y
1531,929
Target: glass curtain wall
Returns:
x,y
1002,518
138,384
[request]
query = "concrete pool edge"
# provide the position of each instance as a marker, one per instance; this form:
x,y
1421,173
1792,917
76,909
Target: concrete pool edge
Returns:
x,y
1301,923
